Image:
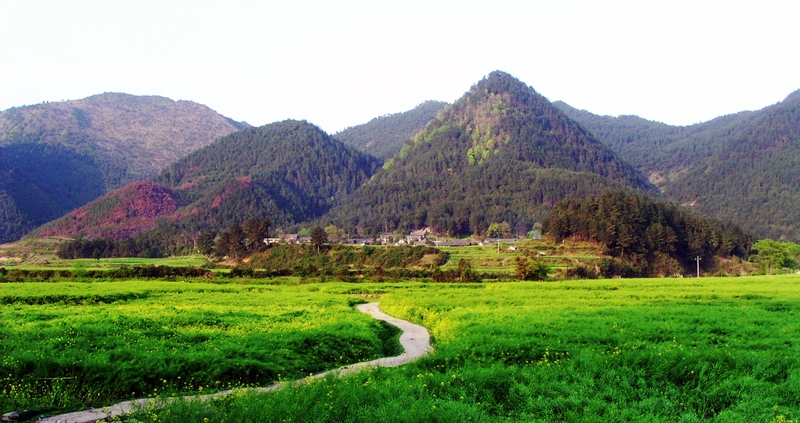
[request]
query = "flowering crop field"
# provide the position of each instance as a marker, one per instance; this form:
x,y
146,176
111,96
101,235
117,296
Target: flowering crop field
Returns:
x,y
68,345
688,350
110,263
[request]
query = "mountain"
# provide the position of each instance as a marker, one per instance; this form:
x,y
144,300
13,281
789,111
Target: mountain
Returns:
x,y
72,152
384,136
741,168
289,171
500,153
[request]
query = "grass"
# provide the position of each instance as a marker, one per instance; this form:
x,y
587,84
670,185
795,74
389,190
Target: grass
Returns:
x,y
108,263
486,258
714,349
710,349
67,345
483,258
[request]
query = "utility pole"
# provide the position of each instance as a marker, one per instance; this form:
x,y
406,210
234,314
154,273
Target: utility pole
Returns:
x,y
698,265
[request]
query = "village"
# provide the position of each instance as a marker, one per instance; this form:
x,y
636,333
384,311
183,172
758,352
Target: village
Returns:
x,y
421,237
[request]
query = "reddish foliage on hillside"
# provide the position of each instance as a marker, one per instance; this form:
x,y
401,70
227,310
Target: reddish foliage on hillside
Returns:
x,y
119,214
232,186
191,183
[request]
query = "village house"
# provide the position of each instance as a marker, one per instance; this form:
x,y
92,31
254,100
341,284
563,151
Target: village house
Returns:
x,y
453,243
360,241
272,241
418,237
493,241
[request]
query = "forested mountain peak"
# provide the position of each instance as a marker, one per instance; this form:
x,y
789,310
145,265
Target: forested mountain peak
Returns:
x,y
289,171
501,152
291,147
501,118
795,96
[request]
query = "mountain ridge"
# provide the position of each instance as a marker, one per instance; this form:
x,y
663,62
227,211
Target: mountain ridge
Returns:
x,y
496,138
502,152
739,167
384,136
289,171
75,151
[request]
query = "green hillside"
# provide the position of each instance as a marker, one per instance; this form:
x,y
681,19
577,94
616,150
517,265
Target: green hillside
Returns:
x,y
289,171
500,153
740,167
384,136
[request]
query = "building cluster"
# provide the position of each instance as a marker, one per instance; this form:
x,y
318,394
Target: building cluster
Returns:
x,y
420,237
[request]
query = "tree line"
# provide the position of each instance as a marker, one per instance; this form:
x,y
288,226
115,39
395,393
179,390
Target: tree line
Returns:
x,y
235,241
655,238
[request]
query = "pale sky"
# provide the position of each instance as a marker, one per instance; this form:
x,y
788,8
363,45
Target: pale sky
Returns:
x,y
341,63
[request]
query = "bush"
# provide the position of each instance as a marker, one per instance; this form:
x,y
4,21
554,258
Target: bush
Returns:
x,y
532,270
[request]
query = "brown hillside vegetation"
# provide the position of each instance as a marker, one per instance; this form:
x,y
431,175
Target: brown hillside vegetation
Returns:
x,y
148,132
119,214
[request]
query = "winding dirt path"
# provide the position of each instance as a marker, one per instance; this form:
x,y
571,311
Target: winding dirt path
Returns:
x,y
414,339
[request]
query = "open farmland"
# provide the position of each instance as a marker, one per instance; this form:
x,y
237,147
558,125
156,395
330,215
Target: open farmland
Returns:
x,y
721,349
494,260
716,349
67,345
115,262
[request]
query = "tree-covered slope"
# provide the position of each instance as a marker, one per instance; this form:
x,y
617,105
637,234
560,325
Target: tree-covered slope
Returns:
x,y
654,238
74,151
289,171
118,214
500,153
384,136
19,200
741,167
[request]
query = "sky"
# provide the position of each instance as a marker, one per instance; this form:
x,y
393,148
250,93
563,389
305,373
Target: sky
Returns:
x,y
341,63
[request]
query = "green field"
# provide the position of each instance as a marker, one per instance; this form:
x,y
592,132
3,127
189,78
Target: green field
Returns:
x,y
483,258
110,263
487,258
711,349
67,345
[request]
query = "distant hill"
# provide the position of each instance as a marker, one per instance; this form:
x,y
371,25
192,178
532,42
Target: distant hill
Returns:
x,y
289,171
74,151
384,136
741,168
500,153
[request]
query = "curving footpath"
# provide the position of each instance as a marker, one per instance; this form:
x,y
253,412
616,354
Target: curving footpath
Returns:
x,y
414,339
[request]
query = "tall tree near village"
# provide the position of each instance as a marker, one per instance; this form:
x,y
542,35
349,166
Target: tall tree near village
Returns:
x,y
318,237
